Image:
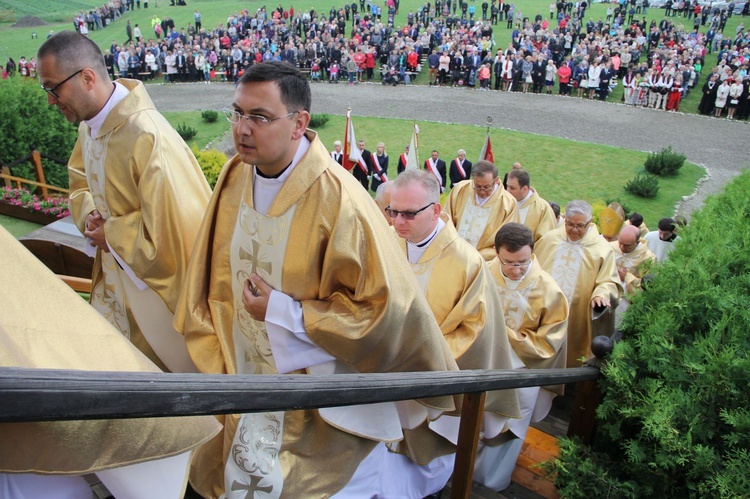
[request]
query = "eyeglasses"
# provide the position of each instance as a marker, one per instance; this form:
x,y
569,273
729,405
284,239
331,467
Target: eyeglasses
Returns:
x,y
484,188
407,215
52,91
576,226
234,117
518,265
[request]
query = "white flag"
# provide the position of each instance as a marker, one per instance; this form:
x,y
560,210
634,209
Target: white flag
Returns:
x,y
412,161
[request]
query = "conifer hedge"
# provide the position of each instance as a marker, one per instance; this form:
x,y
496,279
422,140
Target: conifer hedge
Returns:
x,y
675,420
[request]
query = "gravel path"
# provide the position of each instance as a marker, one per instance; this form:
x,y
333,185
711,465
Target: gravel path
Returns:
x,y
716,144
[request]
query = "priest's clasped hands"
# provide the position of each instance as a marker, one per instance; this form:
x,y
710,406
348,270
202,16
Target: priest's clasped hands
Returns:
x,y
95,230
255,297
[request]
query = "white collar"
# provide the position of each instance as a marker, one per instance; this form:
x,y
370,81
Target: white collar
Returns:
x,y
266,189
95,123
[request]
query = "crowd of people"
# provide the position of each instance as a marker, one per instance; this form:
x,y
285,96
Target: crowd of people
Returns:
x,y
656,63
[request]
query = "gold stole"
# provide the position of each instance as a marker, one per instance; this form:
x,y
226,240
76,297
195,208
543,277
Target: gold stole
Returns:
x,y
109,296
566,267
474,220
514,301
258,246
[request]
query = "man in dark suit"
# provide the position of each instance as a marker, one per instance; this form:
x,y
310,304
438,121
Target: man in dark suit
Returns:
x,y
605,77
517,71
436,166
538,73
363,169
460,168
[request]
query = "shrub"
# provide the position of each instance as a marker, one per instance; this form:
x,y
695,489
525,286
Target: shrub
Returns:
x,y
210,116
211,162
186,132
674,420
27,122
644,186
318,121
664,163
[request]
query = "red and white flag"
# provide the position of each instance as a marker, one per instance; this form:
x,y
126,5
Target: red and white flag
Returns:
x,y
486,153
352,155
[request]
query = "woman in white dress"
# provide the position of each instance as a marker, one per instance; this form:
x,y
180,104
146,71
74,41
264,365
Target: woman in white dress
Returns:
x,y
595,70
721,98
735,92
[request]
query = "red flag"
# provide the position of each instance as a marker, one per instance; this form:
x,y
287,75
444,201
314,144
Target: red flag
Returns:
x,y
486,153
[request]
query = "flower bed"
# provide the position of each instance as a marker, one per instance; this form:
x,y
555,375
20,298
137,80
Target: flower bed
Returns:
x,y
20,203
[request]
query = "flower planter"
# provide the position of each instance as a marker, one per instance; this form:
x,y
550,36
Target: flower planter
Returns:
x,y
26,214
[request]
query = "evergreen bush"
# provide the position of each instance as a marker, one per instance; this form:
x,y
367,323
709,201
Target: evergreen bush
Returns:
x,y
186,131
27,122
664,163
643,185
210,116
675,419
318,121
211,162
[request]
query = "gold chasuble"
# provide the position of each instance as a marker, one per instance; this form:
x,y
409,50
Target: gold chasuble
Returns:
x,y
147,185
45,325
478,224
536,317
536,214
635,263
462,297
584,269
324,243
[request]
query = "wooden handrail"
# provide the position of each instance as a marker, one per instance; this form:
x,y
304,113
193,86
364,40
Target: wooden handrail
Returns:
x,y
20,180
62,395
58,395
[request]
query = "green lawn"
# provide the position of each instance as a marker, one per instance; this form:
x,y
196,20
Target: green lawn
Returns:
x,y
17,227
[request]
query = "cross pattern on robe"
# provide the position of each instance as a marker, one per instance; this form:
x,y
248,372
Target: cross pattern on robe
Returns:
x,y
255,261
568,258
253,487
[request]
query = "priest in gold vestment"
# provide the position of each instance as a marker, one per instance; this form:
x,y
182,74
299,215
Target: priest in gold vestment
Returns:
x,y
632,257
137,194
480,206
536,318
533,211
295,272
461,294
583,265
134,458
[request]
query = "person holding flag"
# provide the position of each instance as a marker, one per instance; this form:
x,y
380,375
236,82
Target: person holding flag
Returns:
x,y
403,160
363,169
436,166
357,158
379,162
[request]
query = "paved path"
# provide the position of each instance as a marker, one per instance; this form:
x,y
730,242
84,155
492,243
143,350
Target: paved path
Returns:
x,y
716,144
